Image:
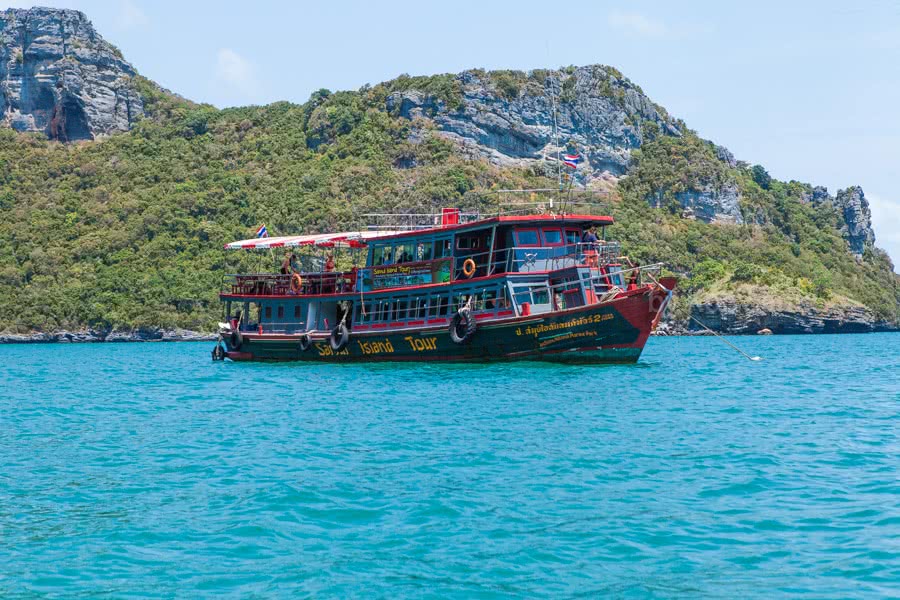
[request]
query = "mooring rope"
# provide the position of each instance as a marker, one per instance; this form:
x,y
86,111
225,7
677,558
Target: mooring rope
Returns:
x,y
753,358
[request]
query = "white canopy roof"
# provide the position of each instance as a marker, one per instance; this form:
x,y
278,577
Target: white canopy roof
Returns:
x,y
351,239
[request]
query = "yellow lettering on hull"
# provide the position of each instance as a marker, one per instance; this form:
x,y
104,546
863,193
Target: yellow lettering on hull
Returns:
x,y
421,344
376,347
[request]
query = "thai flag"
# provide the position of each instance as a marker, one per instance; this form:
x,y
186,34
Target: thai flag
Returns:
x,y
571,160
262,232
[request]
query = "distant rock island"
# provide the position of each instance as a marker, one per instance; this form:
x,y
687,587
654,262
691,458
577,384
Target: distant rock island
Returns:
x,y
125,233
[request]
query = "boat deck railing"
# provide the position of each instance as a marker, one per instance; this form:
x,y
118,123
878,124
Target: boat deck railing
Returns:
x,y
275,284
478,206
519,259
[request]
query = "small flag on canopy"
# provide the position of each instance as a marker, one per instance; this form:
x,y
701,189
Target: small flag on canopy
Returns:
x,y
571,160
262,232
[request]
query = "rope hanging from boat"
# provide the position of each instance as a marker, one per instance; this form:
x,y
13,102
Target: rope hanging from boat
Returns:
x,y
747,356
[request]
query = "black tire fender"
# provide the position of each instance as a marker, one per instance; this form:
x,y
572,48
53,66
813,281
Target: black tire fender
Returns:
x,y
236,340
462,327
305,342
340,337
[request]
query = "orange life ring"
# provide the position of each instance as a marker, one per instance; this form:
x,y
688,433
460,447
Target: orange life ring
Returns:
x,y
469,267
296,283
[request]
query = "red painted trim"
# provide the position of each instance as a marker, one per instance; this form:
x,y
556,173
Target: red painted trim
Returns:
x,y
504,313
415,323
432,321
379,326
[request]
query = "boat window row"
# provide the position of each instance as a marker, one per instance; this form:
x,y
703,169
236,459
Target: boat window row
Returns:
x,y
431,306
546,236
265,311
410,251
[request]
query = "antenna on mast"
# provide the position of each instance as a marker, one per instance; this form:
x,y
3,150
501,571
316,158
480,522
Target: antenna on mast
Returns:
x,y
559,185
556,139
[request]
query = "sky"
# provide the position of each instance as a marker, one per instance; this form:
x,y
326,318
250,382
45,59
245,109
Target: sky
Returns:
x,y
808,89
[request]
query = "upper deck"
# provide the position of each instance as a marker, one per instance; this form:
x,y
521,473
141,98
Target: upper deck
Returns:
x,y
410,250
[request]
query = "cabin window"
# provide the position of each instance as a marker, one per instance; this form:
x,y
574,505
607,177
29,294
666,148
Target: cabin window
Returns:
x,y
438,306
537,294
364,312
572,236
418,308
552,237
384,310
403,253
468,243
268,312
527,237
386,256
615,275
460,300
442,249
280,312
423,251
400,310
489,300
297,311
540,296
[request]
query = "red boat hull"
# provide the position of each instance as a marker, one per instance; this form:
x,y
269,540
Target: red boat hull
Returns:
x,y
614,331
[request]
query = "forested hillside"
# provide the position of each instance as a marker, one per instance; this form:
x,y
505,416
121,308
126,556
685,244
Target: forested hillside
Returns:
x,y
126,231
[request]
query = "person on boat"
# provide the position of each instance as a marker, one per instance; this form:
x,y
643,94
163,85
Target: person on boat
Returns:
x,y
287,265
329,263
590,240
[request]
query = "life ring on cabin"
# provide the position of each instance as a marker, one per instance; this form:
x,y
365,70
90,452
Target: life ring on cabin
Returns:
x,y
305,342
236,340
339,338
469,268
462,326
296,283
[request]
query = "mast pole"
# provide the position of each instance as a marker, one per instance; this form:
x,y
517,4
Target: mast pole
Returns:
x,y
556,135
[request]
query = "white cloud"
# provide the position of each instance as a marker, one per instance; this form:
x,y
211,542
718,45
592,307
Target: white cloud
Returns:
x,y
637,24
886,222
130,15
237,72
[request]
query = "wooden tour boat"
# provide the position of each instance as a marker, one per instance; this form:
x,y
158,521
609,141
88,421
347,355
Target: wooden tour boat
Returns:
x,y
456,286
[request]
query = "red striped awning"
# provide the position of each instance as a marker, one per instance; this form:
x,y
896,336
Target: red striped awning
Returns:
x,y
349,239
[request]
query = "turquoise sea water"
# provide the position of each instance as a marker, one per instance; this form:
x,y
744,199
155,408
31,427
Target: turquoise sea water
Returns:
x,y
148,470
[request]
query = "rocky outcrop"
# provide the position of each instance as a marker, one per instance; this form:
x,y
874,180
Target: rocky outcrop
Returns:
x,y
59,77
854,215
92,335
599,113
712,204
853,208
736,318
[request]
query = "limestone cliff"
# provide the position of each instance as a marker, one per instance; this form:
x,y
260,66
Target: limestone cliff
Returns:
x,y
853,208
58,76
507,117
854,215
